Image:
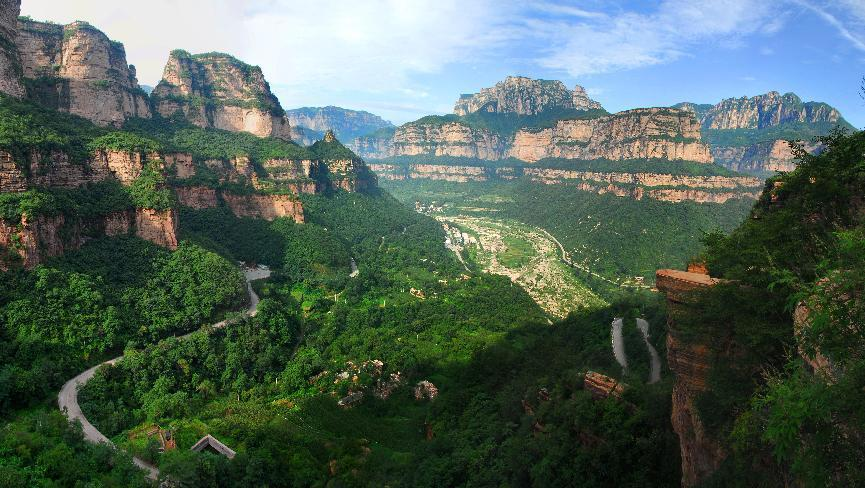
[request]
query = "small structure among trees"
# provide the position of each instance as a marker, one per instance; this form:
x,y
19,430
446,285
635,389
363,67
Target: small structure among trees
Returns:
x,y
210,443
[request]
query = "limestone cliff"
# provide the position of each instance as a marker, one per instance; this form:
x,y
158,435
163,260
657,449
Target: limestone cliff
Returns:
x,y
634,134
749,134
345,124
649,133
32,240
639,186
768,110
436,139
690,361
216,90
267,207
77,69
525,96
56,170
10,63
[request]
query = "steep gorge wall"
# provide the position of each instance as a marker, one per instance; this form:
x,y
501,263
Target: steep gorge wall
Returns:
x,y
77,69
634,134
218,91
664,187
10,63
690,361
33,240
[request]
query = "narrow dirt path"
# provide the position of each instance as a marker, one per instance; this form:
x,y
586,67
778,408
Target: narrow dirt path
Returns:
x,y
67,399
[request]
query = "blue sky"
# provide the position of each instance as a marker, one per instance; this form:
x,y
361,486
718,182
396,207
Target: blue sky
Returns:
x,y
404,59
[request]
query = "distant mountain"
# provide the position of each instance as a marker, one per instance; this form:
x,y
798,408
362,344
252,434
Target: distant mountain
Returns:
x,y
346,124
749,134
147,89
525,96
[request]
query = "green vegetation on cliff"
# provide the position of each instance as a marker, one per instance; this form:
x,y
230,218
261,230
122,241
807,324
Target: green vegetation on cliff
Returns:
x,y
782,420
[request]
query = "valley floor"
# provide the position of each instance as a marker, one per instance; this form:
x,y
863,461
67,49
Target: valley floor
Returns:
x,y
528,256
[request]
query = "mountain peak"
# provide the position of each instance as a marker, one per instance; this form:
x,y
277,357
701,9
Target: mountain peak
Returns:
x,y
525,96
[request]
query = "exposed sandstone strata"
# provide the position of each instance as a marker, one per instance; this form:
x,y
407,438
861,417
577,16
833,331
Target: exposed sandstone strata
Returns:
x,y
183,164
702,189
196,197
769,156
524,96
701,454
10,62
602,386
767,110
81,71
34,239
449,139
267,207
218,91
157,226
56,170
634,134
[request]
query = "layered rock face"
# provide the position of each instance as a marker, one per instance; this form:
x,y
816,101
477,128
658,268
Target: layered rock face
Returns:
x,y
525,96
215,90
769,110
10,63
77,69
346,124
34,239
56,170
639,186
449,139
634,134
267,207
690,361
750,122
650,133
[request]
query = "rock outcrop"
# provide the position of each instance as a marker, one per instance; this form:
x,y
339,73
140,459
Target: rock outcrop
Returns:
x,y
664,187
690,361
749,134
216,90
196,197
267,207
768,110
58,171
32,240
601,386
77,69
346,124
525,96
10,63
634,134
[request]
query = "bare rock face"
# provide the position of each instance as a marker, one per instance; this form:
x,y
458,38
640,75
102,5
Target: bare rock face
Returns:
x,y
768,110
751,132
80,71
157,226
690,361
346,124
182,163
602,386
10,63
216,90
524,96
448,139
634,134
267,207
196,197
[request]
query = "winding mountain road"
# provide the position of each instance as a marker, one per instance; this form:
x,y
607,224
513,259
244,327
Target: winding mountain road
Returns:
x,y
67,399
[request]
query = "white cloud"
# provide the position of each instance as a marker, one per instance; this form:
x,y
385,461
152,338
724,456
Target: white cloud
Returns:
x,y
852,11
632,40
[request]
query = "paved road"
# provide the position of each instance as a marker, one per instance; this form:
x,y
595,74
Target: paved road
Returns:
x,y
67,399
655,372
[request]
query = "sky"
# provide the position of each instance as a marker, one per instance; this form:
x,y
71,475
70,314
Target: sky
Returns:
x,y
403,59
